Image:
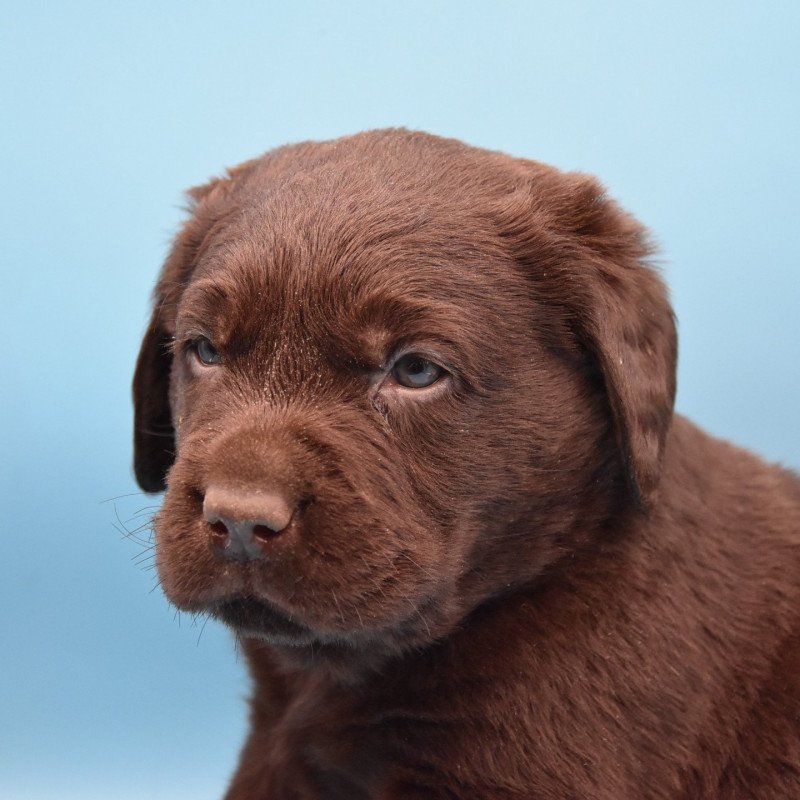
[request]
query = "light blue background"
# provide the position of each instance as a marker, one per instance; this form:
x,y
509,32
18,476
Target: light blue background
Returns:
x,y
687,110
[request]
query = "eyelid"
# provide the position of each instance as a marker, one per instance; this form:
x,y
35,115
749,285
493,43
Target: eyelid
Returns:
x,y
188,345
427,353
186,338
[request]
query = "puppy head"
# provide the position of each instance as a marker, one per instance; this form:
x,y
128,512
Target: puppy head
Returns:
x,y
396,375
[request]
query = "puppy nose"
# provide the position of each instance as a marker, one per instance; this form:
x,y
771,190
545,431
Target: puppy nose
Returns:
x,y
244,522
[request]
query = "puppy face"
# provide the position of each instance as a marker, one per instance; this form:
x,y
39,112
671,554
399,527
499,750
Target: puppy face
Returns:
x,y
384,370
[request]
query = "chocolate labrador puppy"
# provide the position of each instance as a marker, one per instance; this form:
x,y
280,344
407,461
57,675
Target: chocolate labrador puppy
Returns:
x,y
412,406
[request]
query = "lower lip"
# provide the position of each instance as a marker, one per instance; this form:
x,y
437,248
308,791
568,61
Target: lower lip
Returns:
x,y
259,619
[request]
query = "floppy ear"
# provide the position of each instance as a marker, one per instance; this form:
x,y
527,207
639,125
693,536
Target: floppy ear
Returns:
x,y
588,256
153,434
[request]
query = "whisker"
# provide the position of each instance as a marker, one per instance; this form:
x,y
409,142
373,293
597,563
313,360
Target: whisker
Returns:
x,y
339,608
416,610
145,562
420,568
120,496
200,635
146,508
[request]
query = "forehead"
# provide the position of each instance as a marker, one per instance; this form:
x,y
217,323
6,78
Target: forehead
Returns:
x,y
341,265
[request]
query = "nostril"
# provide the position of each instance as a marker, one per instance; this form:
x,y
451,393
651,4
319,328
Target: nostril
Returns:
x,y
219,530
263,533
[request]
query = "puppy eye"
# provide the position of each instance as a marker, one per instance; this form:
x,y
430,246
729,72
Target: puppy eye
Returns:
x,y
416,372
205,351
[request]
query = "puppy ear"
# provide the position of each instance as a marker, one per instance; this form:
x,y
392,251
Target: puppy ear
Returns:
x,y
153,434
588,256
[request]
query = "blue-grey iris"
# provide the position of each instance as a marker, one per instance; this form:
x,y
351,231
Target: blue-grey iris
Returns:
x,y
416,372
206,351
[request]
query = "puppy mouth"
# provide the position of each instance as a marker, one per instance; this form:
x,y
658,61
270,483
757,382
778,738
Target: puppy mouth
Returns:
x,y
259,619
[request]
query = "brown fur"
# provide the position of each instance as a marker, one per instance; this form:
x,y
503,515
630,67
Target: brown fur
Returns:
x,y
530,580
